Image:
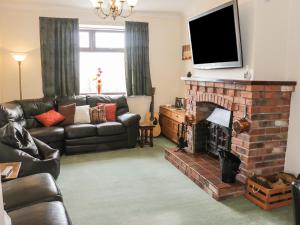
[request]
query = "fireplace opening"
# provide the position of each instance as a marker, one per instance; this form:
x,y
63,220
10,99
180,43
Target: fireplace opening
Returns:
x,y
212,133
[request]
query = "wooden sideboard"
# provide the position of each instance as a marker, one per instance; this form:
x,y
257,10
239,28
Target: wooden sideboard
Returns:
x,y
170,117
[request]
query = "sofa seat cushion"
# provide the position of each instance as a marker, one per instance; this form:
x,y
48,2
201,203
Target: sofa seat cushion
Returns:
x,y
48,134
96,140
110,128
46,213
80,131
30,190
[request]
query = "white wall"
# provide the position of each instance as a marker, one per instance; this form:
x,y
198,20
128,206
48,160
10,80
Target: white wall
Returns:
x,y
1,206
247,24
293,73
165,50
271,39
1,62
264,38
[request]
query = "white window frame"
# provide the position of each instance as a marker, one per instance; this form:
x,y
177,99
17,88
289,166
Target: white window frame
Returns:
x,y
92,47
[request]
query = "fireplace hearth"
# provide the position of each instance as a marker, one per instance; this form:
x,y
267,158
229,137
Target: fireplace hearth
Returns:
x,y
261,149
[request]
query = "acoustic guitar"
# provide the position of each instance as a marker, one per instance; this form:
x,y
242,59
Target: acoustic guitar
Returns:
x,y
153,117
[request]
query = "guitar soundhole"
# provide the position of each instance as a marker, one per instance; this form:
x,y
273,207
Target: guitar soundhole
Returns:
x,y
155,122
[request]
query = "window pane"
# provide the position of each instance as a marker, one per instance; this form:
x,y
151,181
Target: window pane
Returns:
x,y
112,65
84,39
110,40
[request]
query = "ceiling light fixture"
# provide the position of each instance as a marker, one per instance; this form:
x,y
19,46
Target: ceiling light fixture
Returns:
x,y
114,8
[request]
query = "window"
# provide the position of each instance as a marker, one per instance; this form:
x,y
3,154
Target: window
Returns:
x,y
102,48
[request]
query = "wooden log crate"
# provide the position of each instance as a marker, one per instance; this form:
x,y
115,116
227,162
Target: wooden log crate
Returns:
x,y
268,199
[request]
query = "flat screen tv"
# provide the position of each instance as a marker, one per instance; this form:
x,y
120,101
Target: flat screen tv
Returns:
x,y
215,38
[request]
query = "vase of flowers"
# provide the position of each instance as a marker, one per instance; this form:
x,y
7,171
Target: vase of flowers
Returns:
x,y
98,80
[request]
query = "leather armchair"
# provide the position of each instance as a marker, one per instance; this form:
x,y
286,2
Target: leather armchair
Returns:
x,y
49,162
296,195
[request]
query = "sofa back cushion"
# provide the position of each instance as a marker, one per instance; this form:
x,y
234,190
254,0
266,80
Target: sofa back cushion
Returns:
x,y
121,101
79,100
34,107
11,112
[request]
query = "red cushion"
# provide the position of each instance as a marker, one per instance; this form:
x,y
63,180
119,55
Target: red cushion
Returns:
x,y
50,118
110,111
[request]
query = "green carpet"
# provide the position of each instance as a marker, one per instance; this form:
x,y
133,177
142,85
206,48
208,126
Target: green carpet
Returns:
x,y
139,187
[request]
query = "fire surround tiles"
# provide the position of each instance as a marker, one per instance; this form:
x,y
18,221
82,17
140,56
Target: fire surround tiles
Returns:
x,y
262,149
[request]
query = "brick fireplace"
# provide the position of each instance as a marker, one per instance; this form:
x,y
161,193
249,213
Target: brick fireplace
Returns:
x,y
267,106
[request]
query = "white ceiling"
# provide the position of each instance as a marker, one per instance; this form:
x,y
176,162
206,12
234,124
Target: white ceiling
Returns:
x,y
142,5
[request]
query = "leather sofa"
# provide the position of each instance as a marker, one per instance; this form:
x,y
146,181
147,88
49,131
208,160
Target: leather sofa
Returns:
x,y
78,137
35,200
296,195
48,161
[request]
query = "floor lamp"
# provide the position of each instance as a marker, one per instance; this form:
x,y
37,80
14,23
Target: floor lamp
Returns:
x,y
19,57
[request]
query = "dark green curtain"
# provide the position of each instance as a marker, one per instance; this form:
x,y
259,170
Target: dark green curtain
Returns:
x,y
59,39
138,79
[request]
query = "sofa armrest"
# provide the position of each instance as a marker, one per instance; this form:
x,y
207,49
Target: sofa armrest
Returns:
x,y
129,119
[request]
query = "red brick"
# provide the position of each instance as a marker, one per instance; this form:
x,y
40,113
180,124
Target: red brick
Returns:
x,y
240,87
257,131
219,90
230,86
255,88
272,94
272,88
210,90
209,84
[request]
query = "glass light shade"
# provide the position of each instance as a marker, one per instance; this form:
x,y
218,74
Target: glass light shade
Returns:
x,y
132,2
117,3
95,3
19,57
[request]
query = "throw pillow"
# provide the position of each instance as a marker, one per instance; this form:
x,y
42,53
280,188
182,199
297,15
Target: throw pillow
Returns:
x,y
50,118
16,136
97,114
110,111
68,111
82,114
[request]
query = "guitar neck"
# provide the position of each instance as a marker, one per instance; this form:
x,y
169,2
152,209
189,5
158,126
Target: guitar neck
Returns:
x,y
152,104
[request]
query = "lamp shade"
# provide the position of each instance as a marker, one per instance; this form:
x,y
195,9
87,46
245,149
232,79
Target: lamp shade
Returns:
x,y
19,57
132,2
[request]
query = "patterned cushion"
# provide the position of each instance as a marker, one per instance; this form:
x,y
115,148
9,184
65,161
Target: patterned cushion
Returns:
x,y
110,111
97,114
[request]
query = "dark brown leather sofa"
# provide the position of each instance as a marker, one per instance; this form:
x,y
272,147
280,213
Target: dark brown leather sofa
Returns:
x,y
296,195
78,137
35,200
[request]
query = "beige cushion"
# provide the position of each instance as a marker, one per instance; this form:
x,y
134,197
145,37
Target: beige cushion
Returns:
x,y
82,114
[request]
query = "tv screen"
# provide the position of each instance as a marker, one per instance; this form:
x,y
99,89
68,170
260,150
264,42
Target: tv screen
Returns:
x,y
215,38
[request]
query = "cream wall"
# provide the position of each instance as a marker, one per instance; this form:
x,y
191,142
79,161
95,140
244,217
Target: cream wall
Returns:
x,y
264,37
1,62
1,206
21,34
247,24
293,73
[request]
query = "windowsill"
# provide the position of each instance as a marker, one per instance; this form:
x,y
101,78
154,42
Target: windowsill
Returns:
x,y
105,93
